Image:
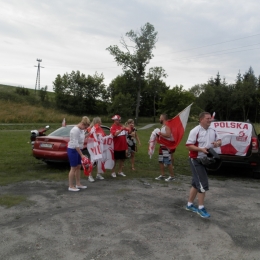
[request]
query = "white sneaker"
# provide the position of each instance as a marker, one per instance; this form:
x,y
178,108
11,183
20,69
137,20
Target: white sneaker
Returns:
x,y
81,187
90,179
161,177
121,174
99,177
73,189
113,175
170,179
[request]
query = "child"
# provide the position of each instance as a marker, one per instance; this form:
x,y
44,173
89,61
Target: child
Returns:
x,y
132,137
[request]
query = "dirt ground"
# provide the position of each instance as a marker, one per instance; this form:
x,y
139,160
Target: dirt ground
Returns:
x,y
131,219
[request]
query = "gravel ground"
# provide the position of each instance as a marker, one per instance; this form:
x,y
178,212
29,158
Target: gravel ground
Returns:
x,y
130,219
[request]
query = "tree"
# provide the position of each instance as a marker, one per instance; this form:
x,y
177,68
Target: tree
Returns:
x,y
175,100
121,105
79,94
43,94
123,84
135,61
22,91
245,95
155,82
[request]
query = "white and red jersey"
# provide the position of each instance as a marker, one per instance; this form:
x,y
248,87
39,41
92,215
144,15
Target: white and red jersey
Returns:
x,y
201,137
98,130
120,143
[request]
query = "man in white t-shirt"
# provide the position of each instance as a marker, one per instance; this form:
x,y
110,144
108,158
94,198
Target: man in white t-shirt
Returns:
x,y
165,154
201,138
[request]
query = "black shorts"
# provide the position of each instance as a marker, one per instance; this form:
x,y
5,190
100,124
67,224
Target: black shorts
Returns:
x,y
119,155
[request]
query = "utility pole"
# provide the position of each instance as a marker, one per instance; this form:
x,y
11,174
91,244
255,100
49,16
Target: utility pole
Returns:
x,y
38,74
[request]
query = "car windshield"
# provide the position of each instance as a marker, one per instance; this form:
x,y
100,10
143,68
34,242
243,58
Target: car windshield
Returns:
x,y
62,131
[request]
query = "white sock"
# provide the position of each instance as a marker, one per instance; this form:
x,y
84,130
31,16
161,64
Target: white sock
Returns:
x,y
201,206
189,204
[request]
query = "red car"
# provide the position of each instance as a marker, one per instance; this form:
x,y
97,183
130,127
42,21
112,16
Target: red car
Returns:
x,y
53,147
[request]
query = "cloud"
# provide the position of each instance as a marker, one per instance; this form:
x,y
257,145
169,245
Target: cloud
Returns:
x,y
73,35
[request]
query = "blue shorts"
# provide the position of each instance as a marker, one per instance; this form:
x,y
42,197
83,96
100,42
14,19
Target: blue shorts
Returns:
x,y
166,161
165,155
74,157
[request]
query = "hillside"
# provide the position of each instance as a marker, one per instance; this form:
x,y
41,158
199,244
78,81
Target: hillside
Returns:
x,y
15,108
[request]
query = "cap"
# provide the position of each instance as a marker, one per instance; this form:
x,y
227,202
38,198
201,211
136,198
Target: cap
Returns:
x,y
116,117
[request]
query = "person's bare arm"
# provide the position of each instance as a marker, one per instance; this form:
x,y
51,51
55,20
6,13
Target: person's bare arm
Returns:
x,y
137,138
217,143
167,133
194,148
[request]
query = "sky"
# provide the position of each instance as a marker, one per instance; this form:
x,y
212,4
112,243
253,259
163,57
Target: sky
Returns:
x,y
196,38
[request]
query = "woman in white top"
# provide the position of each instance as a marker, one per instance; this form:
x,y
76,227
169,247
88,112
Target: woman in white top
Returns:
x,y
75,146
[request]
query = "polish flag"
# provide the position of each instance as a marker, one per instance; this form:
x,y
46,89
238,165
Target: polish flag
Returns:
x,y
213,116
63,122
177,126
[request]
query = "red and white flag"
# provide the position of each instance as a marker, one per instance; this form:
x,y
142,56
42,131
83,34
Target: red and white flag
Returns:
x,y
101,150
177,126
235,137
63,122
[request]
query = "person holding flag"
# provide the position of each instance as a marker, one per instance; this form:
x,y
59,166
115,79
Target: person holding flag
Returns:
x,y
165,154
95,126
169,136
201,138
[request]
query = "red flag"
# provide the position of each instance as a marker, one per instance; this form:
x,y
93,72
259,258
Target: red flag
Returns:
x,y
63,122
177,126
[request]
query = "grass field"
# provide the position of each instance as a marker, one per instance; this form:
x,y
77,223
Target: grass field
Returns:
x,y
18,164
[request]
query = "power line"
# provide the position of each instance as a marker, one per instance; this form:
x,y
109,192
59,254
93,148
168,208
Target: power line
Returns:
x,y
201,55
200,47
211,44
188,57
223,53
198,56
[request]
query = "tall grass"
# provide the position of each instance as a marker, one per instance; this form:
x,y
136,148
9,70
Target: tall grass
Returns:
x,y
22,112
12,112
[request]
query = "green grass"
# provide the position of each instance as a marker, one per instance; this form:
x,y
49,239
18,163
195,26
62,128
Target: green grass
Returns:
x,y
11,200
17,163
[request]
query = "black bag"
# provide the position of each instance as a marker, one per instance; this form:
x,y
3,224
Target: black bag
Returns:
x,y
211,158
206,160
213,154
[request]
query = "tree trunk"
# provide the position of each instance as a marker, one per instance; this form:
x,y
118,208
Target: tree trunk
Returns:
x,y
154,107
138,102
244,113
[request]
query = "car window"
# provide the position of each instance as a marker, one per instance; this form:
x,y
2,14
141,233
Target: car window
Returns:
x,y
62,131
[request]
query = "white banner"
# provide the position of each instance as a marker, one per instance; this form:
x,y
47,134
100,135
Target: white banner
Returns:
x,y
108,152
235,137
101,150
